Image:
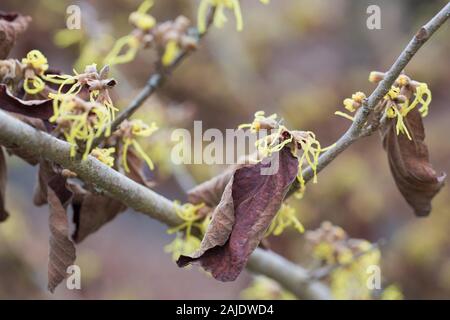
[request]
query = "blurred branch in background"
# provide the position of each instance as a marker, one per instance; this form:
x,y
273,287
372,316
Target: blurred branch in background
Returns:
x,y
156,80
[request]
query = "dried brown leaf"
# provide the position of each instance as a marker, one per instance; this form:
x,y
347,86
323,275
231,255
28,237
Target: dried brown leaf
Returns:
x,y
249,203
11,26
62,249
94,212
48,176
41,109
409,162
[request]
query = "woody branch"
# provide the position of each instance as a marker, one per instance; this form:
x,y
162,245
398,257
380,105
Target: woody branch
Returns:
x,y
16,133
294,278
358,129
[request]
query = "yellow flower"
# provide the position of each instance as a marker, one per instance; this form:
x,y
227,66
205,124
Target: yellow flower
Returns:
x,y
311,150
348,104
180,246
358,97
131,43
171,52
188,243
134,129
284,218
220,18
79,121
36,60
421,91
352,104
392,292
261,122
141,19
263,288
36,65
400,110
104,155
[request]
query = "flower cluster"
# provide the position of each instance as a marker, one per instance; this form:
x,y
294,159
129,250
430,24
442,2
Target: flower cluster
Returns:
x,y
220,18
263,288
285,218
79,121
96,82
104,155
350,257
128,132
34,67
173,37
397,102
405,95
186,241
140,36
352,104
303,144
170,37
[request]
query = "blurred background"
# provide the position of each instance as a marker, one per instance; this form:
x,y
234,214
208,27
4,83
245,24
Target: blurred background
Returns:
x,y
298,58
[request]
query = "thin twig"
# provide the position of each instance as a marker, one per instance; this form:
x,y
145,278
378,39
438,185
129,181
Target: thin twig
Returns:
x,y
356,130
155,81
324,272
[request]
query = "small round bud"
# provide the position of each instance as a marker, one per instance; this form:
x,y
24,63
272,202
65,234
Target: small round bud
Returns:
x,y
403,80
358,96
376,76
66,173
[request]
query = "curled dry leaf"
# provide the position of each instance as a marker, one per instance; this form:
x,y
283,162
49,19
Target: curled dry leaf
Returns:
x,y
249,203
90,211
11,26
62,250
48,176
94,212
52,190
41,109
409,162
3,178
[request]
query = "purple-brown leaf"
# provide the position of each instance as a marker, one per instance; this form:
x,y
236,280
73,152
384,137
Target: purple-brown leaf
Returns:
x,y
248,205
409,162
41,109
62,250
94,212
11,26
48,176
